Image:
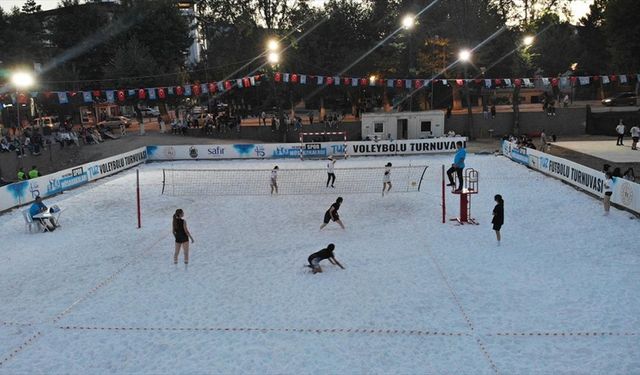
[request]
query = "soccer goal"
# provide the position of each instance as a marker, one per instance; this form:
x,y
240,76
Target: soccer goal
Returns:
x,y
215,182
311,144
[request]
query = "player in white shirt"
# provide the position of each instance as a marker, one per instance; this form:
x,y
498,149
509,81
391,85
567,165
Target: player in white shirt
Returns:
x,y
274,180
620,130
635,136
386,179
331,177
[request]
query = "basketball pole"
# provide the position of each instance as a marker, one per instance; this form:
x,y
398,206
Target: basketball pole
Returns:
x,y
138,198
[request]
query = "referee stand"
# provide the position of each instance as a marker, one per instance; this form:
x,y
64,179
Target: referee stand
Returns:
x,y
469,188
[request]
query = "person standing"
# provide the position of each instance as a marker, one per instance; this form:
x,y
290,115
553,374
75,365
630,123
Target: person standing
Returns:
x,y
635,136
543,141
22,175
498,215
620,130
274,180
608,192
332,214
457,167
386,179
182,236
33,172
326,253
331,176
263,117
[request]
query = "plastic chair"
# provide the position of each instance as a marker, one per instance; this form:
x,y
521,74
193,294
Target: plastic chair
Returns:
x,y
30,223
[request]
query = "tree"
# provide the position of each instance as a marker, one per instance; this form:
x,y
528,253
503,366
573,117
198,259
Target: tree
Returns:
x,y
159,26
594,56
81,41
555,49
622,31
134,65
31,7
526,12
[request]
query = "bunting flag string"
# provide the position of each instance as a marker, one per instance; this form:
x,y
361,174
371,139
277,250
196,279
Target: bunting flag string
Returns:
x,y
219,87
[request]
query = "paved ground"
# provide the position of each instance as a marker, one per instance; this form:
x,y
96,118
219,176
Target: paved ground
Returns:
x,y
606,150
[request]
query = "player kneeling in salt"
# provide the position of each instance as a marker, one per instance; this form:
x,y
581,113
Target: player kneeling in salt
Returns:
x,y
332,214
386,179
326,253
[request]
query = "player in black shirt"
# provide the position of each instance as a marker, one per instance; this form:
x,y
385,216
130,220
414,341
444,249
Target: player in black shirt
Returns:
x,y
332,214
498,215
326,253
182,236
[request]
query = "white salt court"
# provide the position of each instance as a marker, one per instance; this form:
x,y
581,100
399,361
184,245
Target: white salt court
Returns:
x,y
558,296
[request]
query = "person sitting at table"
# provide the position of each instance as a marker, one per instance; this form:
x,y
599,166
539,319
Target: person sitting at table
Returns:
x,y
38,208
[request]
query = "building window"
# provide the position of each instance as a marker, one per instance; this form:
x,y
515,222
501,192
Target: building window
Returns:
x,y
425,126
378,127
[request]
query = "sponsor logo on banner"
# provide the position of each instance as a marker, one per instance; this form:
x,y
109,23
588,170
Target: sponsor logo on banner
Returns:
x,y
193,152
216,151
170,152
309,150
520,155
260,152
626,194
244,149
66,182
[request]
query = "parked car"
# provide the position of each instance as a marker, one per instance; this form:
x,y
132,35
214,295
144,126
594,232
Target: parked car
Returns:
x,y
50,122
115,123
623,98
150,112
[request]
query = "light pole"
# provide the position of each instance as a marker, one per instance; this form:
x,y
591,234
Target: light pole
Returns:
x,y
408,22
527,41
21,80
273,59
464,56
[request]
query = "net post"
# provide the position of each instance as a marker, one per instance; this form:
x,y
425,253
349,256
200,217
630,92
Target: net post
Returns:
x,y
301,146
346,154
164,178
138,197
444,203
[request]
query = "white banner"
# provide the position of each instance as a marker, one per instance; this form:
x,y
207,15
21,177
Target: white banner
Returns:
x,y
309,149
625,193
23,192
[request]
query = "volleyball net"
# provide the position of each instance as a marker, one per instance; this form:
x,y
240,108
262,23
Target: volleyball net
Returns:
x,y
212,182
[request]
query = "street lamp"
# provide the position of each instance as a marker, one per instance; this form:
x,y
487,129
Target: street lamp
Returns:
x,y
464,56
408,21
21,81
528,40
273,58
273,45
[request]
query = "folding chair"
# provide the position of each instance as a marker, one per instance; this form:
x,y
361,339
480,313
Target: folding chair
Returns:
x,y
30,223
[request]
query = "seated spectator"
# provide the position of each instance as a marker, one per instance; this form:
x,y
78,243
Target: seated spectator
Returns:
x,y
37,208
19,147
629,175
616,172
37,142
4,145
